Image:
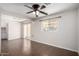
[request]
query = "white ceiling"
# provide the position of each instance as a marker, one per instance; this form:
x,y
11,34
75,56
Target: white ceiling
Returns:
x,y
19,8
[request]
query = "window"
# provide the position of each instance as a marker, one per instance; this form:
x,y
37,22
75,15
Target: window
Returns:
x,y
49,25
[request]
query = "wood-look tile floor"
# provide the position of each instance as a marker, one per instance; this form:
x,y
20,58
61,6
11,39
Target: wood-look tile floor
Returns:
x,y
24,47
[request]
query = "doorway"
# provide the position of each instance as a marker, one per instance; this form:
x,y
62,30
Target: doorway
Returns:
x,y
4,41
27,31
4,34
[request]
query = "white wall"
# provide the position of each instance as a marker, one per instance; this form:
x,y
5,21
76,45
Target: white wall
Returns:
x,y
14,30
0,33
78,29
64,37
13,27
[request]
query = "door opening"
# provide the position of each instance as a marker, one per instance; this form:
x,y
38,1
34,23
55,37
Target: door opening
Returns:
x,y
27,31
4,34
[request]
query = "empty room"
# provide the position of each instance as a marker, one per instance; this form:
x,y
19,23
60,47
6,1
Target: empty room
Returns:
x,y
39,29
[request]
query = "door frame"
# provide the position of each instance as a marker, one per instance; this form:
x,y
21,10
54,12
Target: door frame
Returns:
x,y
22,30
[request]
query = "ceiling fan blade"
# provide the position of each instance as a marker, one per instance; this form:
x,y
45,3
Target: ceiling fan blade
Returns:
x,y
47,3
28,6
29,12
43,6
42,12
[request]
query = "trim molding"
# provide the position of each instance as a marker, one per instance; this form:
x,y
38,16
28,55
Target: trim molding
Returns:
x,y
49,44
56,46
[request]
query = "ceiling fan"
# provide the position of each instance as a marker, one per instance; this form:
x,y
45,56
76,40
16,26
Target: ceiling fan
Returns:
x,y
35,8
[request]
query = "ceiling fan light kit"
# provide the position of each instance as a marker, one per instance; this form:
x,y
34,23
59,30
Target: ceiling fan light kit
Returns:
x,y
36,9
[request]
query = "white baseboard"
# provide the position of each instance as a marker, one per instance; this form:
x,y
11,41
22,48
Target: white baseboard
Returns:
x,y
50,44
56,46
14,39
